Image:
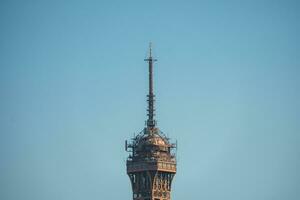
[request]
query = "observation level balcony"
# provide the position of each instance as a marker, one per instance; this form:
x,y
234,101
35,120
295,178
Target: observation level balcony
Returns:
x,y
151,165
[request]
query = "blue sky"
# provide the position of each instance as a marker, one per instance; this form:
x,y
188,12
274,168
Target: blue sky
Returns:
x,y
73,87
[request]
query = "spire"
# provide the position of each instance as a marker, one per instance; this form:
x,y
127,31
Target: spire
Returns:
x,y
150,121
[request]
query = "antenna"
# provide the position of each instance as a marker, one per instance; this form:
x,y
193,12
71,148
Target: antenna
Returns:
x,y
150,121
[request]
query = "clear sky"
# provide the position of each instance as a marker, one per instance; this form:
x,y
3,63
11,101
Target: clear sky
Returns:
x,y
73,87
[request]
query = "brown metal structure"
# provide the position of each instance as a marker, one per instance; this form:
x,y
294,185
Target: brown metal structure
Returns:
x,y
151,164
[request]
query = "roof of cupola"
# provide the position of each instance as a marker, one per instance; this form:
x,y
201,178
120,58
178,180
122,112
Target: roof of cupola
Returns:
x,y
152,137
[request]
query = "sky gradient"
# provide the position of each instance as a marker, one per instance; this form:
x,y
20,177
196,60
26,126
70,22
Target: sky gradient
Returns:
x,y
73,88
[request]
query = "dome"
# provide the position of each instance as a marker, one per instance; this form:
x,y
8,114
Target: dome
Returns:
x,y
152,137
156,140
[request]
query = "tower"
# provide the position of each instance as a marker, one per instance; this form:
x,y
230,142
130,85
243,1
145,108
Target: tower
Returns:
x,y
151,164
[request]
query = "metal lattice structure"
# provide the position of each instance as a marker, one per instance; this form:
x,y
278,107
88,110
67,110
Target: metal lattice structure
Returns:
x,y
151,164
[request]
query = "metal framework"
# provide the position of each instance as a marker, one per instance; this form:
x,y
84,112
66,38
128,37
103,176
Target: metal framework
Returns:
x,y
151,164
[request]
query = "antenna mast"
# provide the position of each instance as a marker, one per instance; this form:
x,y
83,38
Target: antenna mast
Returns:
x,y
150,121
